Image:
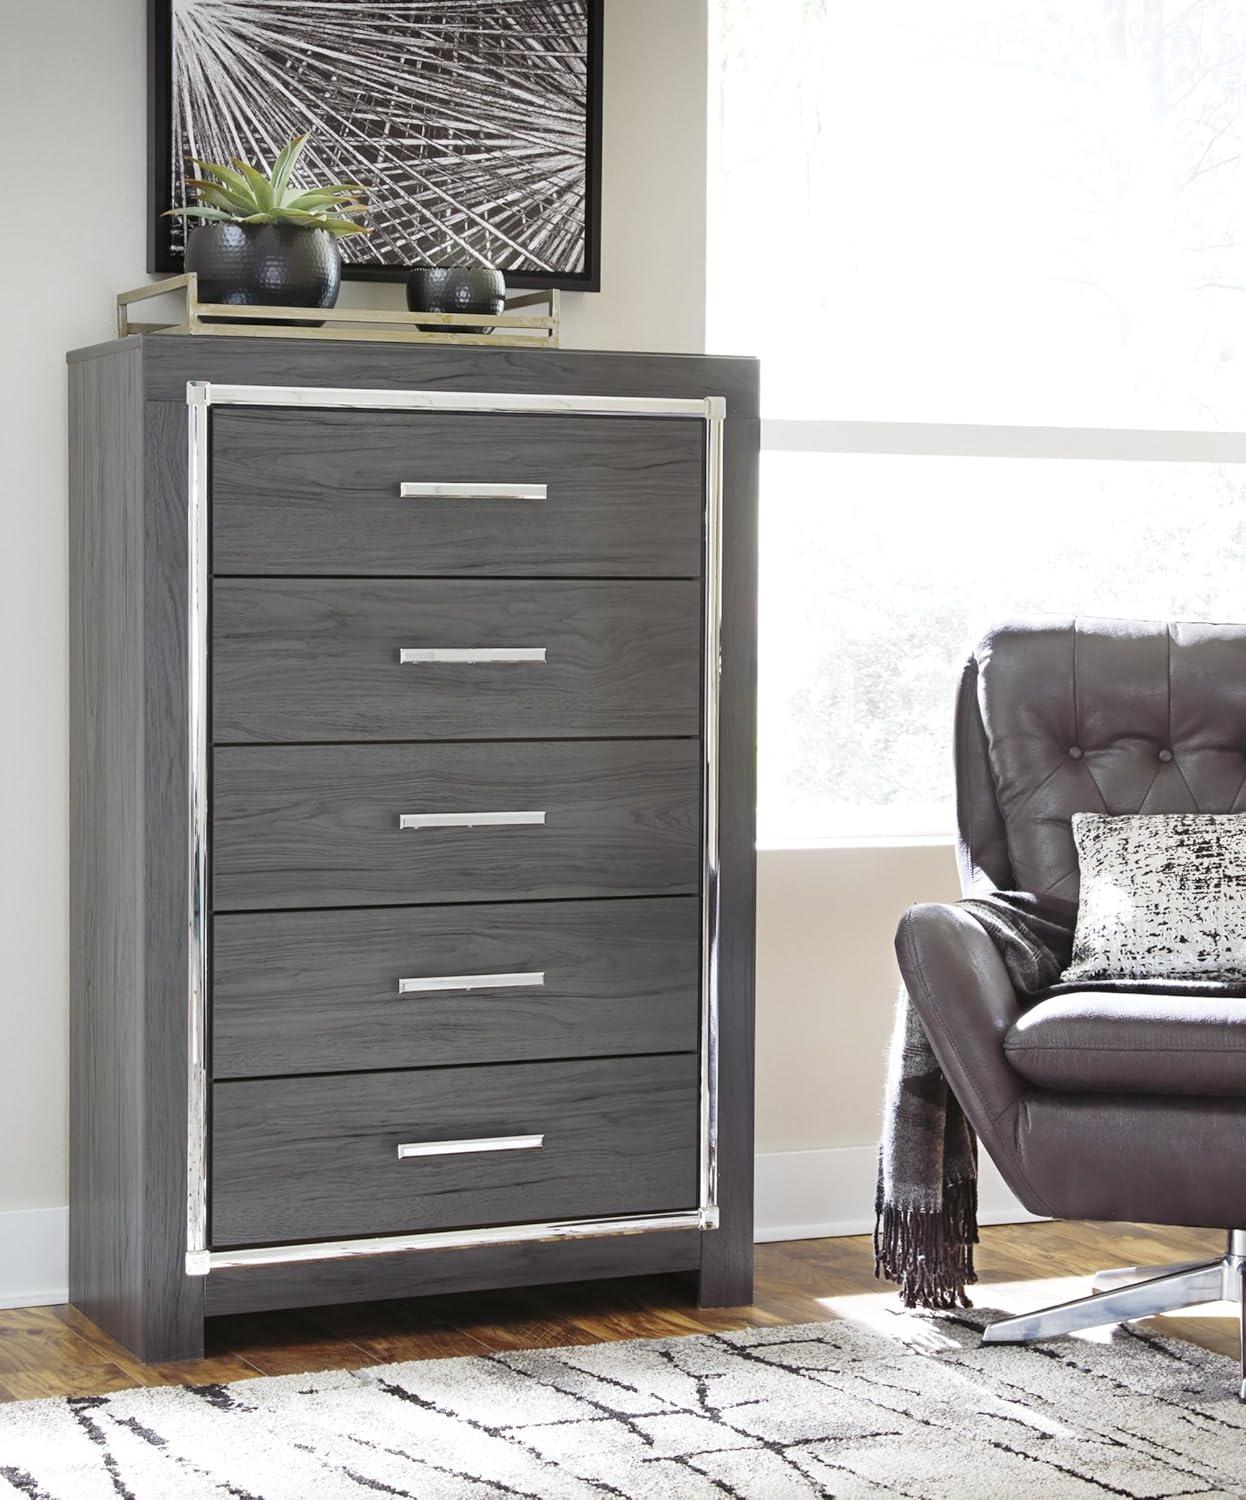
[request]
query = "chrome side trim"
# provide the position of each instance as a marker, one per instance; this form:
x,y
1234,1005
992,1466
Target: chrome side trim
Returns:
x,y
451,1239
469,655
708,1173
197,897
464,983
408,1149
366,400
201,395
470,819
422,490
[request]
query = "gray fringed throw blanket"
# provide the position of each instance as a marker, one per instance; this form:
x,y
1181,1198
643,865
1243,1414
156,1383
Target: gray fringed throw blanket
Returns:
x,y
926,1209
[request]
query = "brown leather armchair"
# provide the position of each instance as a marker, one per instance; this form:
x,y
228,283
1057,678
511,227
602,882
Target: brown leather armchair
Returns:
x,y
1128,1105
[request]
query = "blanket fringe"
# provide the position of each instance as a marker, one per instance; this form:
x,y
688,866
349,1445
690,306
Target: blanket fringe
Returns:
x,y
929,1252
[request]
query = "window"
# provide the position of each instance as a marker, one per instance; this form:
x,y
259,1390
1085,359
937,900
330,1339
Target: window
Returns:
x,y
989,252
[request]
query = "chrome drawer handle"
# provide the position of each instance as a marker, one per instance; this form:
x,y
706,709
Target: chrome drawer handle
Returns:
x,y
534,980
461,1148
437,491
469,819
414,655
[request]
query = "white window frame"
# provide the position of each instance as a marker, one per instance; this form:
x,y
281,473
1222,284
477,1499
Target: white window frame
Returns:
x,y
967,440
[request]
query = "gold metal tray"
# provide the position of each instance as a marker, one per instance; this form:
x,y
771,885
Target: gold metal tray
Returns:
x,y
512,329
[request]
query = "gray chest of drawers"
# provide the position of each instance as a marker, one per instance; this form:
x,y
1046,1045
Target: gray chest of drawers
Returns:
x,y
412,714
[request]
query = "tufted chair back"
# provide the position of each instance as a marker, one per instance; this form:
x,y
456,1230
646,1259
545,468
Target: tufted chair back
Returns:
x,y
1057,716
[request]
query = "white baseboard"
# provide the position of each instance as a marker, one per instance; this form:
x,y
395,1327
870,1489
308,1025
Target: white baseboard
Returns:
x,y
820,1194
34,1257
801,1195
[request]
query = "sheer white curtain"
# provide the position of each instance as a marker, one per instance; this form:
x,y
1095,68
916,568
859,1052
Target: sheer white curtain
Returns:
x,y
991,255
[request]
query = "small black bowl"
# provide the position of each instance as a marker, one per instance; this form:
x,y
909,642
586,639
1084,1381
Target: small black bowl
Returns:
x,y
278,265
456,289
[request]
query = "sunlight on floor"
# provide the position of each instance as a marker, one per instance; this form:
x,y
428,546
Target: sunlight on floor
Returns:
x,y
882,1312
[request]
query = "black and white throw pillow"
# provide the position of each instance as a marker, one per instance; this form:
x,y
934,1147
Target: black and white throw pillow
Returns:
x,y
1163,896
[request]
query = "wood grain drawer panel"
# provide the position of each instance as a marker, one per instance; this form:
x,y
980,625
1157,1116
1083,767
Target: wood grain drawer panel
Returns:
x,y
305,825
407,1273
318,992
315,492
317,1158
311,659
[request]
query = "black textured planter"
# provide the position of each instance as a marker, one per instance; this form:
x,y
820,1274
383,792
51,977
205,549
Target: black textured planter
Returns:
x,y
456,289
274,265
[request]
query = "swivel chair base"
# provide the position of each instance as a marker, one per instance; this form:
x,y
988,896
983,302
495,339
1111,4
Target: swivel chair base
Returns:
x,y
1140,1292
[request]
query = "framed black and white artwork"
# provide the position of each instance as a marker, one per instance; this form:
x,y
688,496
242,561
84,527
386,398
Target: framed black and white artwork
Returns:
x,y
475,125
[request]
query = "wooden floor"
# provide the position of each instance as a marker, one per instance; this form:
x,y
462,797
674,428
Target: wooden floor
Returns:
x,y
52,1351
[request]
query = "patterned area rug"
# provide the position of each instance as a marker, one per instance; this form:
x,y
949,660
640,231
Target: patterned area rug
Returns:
x,y
766,1414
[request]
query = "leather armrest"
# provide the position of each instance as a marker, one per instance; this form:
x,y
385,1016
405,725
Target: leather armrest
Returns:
x,y
960,988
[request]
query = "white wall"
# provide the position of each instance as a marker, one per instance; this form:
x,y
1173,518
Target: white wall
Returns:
x,y
72,117
653,172
826,984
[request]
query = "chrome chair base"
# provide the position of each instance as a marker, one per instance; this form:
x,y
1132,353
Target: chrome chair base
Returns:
x,y
1139,1292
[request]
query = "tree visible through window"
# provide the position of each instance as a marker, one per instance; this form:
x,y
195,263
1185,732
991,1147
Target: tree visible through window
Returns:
x,y
877,573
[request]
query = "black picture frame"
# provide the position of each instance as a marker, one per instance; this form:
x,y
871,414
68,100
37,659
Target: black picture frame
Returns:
x,y
163,258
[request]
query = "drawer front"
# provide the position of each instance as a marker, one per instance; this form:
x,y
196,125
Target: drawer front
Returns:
x,y
307,492
304,825
315,660
318,1158
320,992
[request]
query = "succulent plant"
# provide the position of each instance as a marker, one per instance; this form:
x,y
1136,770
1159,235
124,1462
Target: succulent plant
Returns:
x,y
242,194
